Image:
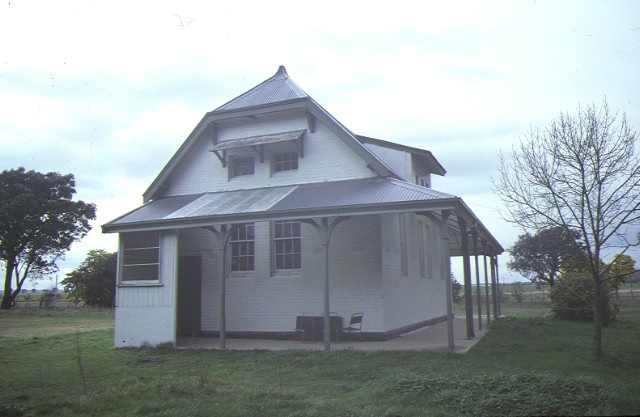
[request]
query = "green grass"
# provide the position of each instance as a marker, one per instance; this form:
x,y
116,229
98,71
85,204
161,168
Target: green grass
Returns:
x,y
525,365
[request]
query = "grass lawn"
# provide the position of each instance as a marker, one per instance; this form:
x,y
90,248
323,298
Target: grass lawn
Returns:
x,y
64,365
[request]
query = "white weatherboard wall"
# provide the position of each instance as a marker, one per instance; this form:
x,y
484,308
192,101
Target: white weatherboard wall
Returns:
x,y
146,314
410,298
398,161
262,301
326,158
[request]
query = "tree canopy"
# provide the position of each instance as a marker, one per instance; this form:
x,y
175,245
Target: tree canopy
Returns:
x,y
94,281
621,269
541,256
38,223
580,173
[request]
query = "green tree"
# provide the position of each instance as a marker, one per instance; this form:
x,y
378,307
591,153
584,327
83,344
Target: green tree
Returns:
x,y
540,257
580,173
621,268
38,223
94,281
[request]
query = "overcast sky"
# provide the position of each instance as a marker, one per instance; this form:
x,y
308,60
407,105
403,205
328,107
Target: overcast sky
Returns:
x,y
108,90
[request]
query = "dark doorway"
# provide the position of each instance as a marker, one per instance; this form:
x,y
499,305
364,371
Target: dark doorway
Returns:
x,y
189,290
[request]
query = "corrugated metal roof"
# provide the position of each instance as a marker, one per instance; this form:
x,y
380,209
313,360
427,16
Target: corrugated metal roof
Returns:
x,y
372,191
157,209
232,202
258,140
337,198
335,194
275,89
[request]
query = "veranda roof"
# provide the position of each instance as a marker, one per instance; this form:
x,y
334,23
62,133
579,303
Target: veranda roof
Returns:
x,y
323,199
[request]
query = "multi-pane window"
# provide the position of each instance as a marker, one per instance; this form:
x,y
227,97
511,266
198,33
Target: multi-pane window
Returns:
x,y
242,166
427,251
404,255
285,161
288,245
422,249
140,256
424,231
242,247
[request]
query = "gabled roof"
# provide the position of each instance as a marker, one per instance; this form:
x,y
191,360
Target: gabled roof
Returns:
x,y
273,90
277,93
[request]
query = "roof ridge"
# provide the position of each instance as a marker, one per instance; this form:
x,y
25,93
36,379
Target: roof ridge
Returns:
x,y
278,87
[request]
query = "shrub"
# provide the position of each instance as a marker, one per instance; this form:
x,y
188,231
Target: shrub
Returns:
x,y
456,287
573,296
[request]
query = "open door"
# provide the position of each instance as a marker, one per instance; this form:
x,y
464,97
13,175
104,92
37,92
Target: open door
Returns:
x,y
189,295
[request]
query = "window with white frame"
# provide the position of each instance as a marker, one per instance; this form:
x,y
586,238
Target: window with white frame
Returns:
x,y
140,256
240,166
285,161
422,256
287,245
242,241
428,264
404,256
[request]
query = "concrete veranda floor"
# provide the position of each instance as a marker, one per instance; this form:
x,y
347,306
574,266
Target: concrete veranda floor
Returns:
x,y
433,338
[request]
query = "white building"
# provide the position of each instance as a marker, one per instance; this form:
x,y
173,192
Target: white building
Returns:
x,y
301,217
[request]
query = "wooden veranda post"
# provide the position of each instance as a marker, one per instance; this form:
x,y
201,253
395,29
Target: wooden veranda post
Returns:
x,y
498,288
446,271
474,235
494,290
466,263
222,236
325,229
486,282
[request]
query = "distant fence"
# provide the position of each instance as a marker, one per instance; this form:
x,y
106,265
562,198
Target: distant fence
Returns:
x,y
532,293
45,300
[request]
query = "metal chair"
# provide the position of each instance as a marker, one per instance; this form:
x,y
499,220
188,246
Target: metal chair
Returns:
x,y
355,323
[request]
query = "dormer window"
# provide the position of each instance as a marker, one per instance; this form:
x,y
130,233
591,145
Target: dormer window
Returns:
x,y
242,166
285,161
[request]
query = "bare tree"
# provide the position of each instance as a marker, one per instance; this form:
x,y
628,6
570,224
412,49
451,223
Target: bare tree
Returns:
x,y
581,173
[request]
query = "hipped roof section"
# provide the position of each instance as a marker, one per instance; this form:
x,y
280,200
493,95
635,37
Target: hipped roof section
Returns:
x,y
277,93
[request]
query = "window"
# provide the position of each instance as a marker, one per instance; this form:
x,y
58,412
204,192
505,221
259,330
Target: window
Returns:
x,y
425,236
427,251
404,256
288,245
422,250
285,161
140,256
242,166
242,247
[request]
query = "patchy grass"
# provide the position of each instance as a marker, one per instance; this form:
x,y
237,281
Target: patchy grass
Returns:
x,y
27,323
523,366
